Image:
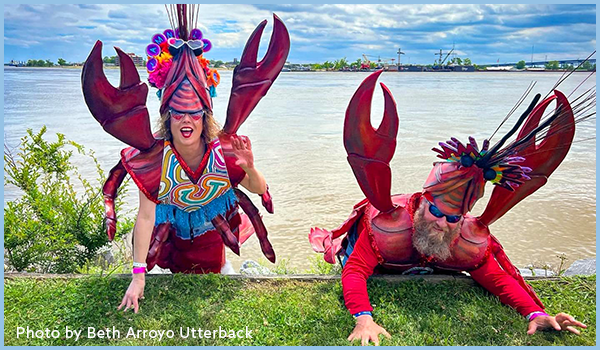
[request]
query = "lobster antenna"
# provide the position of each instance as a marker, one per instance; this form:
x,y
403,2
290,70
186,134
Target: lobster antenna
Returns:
x,y
173,17
557,147
175,27
517,105
560,80
584,110
544,124
578,86
514,129
170,16
568,75
587,94
191,15
518,145
197,16
182,21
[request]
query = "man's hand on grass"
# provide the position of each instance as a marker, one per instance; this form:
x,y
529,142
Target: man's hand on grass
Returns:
x,y
367,330
133,294
560,322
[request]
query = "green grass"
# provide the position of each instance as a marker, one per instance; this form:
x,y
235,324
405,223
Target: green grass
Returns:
x,y
286,312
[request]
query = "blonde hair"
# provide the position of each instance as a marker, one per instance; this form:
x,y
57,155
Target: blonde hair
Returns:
x,y
210,127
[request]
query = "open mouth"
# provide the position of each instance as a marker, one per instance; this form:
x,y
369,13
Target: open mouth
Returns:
x,y
186,132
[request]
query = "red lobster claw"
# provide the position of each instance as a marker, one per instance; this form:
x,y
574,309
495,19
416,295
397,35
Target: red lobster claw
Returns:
x,y
121,111
267,201
252,80
369,150
160,249
543,159
228,237
109,190
256,220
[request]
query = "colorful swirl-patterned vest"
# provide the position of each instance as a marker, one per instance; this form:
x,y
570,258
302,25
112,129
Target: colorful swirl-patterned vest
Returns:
x,y
190,200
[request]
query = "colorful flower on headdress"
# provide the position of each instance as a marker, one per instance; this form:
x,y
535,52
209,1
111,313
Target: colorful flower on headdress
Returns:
x,y
158,76
504,172
160,59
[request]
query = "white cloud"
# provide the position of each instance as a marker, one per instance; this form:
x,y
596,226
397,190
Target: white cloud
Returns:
x,y
318,32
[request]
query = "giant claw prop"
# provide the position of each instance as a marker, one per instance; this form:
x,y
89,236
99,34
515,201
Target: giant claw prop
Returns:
x,y
542,159
252,79
370,150
119,110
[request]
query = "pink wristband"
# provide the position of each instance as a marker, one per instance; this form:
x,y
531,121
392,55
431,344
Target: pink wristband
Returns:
x,y
139,270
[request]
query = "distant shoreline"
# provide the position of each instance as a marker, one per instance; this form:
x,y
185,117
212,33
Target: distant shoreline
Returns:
x,y
338,71
80,67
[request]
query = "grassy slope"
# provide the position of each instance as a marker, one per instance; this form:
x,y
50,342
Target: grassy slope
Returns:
x,y
289,312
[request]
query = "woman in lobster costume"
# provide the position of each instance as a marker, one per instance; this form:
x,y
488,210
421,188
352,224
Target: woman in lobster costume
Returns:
x,y
431,231
189,173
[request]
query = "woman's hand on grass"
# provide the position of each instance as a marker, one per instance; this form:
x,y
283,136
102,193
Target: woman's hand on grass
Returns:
x,y
560,322
367,330
134,293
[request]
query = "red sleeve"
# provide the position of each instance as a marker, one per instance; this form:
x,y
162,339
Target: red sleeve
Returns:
x,y
491,276
358,268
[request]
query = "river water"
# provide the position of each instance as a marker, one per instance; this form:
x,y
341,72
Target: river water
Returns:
x,y
296,133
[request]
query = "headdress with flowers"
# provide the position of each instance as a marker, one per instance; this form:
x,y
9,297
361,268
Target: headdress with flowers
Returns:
x,y
162,49
457,182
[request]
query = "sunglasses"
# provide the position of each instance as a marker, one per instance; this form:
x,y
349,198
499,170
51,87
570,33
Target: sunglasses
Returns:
x,y
196,45
435,211
178,116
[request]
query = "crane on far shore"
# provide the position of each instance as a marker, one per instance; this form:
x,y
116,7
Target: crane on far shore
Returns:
x,y
441,61
366,64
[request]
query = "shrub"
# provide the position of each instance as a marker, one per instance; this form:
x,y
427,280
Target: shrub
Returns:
x,y
52,227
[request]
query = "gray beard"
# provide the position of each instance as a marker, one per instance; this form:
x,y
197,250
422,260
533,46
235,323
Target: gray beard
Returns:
x,y
427,241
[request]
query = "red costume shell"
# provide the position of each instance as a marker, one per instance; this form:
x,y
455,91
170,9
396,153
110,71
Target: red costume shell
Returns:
x,y
122,113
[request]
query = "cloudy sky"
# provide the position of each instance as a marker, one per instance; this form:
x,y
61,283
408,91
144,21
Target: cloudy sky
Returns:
x,y
483,33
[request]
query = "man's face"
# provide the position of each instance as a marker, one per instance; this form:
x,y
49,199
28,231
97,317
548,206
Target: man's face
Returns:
x,y
432,235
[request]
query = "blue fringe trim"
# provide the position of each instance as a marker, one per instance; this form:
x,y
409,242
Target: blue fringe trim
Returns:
x,y
198,221
213,91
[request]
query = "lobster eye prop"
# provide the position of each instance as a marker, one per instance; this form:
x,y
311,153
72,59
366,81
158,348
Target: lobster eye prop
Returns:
x,y
489,174
467,161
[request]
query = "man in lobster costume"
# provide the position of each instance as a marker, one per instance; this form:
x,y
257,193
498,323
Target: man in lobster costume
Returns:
x,y
431,231
189,198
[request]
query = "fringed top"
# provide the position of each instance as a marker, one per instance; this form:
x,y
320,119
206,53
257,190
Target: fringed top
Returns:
x,y
190,201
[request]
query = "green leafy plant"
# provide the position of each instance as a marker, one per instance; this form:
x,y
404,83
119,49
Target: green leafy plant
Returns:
x,y
563,259
319,266
57,225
